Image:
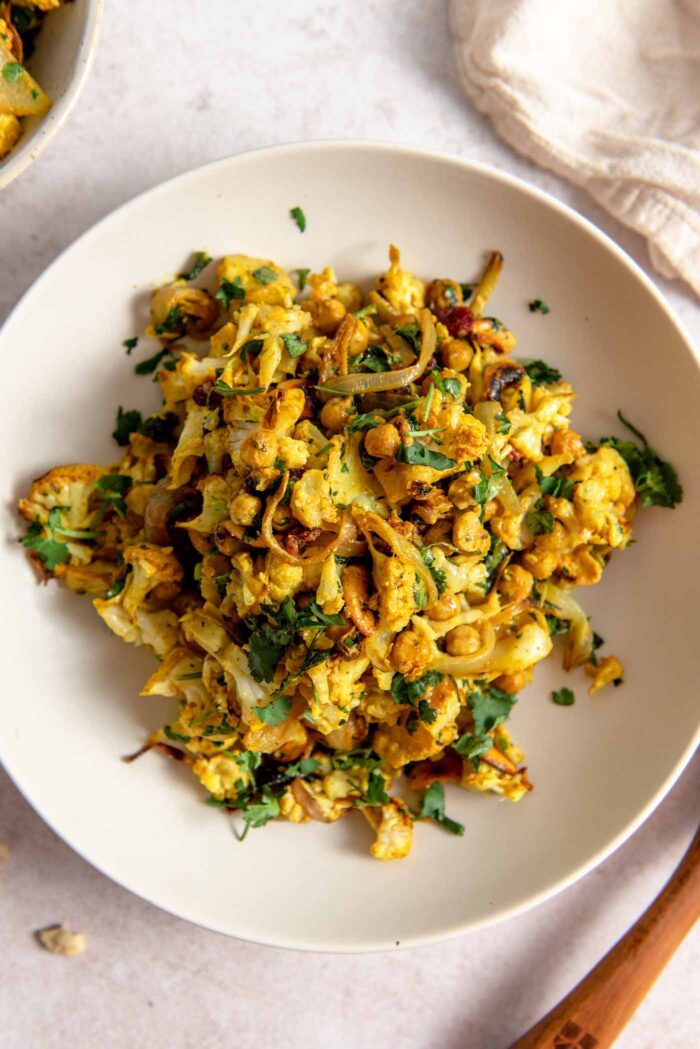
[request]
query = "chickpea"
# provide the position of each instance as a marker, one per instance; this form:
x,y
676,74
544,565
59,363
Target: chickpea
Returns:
x,y
463,641
335,413
383,441
442,294
350,296
469,535
567,442
259,449
461,491
244,509
411,654
514,682
445,608
456,354
359,341
329,316
515,583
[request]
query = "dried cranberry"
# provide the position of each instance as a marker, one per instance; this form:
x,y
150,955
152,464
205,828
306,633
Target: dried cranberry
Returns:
x,y
458,320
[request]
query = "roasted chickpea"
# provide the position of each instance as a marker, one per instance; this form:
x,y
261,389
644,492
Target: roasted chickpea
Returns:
x,y
383,441
335,413
410,654
514,682
456,354
329,315
515,583
359,341
469,535
461,491
244,509
259,449
350,296
463,641
567,442
444,608
442,295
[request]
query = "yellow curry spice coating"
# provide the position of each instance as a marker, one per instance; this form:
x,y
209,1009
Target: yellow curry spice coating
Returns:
x,y
348,536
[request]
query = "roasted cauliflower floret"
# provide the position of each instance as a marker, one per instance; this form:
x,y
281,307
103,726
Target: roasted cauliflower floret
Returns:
x,y
393,827
404,291
151,567
67,488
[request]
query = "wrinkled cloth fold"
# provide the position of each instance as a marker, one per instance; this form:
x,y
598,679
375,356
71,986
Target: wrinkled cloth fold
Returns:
x,y
605,93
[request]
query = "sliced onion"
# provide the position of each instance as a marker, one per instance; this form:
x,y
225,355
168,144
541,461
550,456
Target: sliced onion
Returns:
x,y
579,640
315,554
377,648
508,655
155,518
371,382
405,550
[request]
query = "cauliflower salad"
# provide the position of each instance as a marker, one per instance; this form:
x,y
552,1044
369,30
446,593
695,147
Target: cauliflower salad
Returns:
x,y
349,534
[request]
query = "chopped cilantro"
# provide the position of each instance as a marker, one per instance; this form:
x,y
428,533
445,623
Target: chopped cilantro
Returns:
x,y
490,706
230,290
275,712
175,736
363,422
450,384
52,553
412,334
12,71
111,489
497,551
407,692
655,480
376,791
129,344
438,575
472,747
503,423
299,217
559,487
148,366
538,306
540,522
418,454
557,626
305,767
200,260
433,808
564,697
303,275
225,390
295,346
366,311
174,323
115,589
258,813
375,358
426,713
541,373
265,275
489,487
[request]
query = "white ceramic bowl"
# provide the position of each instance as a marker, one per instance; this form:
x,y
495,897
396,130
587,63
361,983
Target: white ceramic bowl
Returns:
x,y
65,51
70,689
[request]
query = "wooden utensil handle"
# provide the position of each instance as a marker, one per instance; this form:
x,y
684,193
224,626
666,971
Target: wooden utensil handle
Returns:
x,y
594,1013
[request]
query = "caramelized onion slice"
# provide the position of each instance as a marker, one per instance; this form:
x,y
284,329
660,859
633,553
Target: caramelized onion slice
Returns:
x,y
405,550
315,554
371,382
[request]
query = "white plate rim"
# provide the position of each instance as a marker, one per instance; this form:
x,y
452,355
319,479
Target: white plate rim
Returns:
x,y
605,241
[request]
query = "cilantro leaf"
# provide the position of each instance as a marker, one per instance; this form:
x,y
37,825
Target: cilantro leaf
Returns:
x,y
426,713
564,697
303,275
200,260
407,692
367,311
299,217
540,522
489,487
174,323
472,747
376,791
127,423
497,552
258,813
148,366
541,373
438,575
159,428
559,487
230,290
375,358
265,275
433,808
313,617
557,626
412,334
267,646
449,385
12,71
538,306
363,422
490,706
116,588
129,344
52,553
275,712
305,767
418,454
655,480
175,736
295,346
503,423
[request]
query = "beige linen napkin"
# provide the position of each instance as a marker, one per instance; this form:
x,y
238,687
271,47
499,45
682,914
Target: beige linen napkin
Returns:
x,y
605,93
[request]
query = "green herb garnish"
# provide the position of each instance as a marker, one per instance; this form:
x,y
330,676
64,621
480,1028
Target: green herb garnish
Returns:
x,y
538,306
655,480
433,808
299,217
200,260
564,697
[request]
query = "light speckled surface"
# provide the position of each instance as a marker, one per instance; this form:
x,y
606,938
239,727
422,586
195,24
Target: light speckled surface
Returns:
x,y
241,79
